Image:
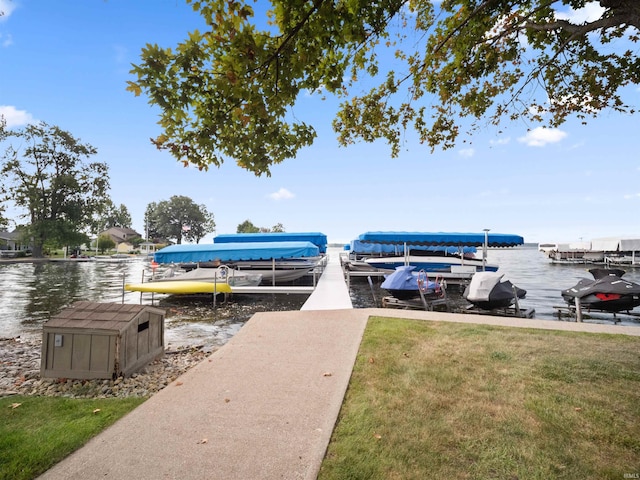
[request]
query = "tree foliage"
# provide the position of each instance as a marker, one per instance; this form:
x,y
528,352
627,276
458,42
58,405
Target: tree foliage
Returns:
x,y
46,172
248,227
277,228
457,64
115,216
4,221
178,218
105,242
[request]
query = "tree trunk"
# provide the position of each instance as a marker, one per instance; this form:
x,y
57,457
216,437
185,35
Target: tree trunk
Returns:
x,y
36,251
38,246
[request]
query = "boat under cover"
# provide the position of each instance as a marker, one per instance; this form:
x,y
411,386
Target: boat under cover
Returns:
x,y
359,248
222,274
277,271
453,239
439,260
607,292
430,263
229,252
488,291
405,283
317,238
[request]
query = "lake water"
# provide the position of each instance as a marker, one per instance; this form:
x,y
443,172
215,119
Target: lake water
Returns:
x,y
30,293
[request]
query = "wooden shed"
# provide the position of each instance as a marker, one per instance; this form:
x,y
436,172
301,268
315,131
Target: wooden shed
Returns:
x,y
101,340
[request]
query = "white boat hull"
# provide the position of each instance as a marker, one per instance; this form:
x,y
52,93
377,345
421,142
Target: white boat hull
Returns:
x,y
435,264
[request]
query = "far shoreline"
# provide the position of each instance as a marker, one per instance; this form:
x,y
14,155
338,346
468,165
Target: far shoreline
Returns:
x,y
5,261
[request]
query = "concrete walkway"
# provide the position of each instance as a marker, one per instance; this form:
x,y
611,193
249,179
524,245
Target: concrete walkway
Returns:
x,y
262,407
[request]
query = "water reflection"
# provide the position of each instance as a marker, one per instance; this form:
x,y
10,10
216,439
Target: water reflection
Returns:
x,y
48,288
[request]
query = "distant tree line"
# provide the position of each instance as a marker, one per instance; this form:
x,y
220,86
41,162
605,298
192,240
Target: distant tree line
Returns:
x,y
248,227
178,219
49,174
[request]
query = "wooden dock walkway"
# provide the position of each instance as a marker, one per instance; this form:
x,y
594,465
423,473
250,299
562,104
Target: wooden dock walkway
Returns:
x,y
332,292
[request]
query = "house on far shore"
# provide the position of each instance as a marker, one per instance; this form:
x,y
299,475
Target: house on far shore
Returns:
x,y
122,237
12,241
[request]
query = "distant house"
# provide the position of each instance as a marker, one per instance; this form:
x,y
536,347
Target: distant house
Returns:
x,y
12,241
147,248
122,237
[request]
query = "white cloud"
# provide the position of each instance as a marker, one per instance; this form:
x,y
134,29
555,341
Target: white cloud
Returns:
x,y
540,136
500,141
589,13
467,152
282,194
15,118
536,109
6,40
6,8
632,196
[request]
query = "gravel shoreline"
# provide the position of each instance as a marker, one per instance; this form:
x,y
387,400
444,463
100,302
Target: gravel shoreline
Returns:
x,y
20,373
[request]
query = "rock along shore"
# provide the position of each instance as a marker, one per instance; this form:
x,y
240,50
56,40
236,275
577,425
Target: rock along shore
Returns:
x,y
20,374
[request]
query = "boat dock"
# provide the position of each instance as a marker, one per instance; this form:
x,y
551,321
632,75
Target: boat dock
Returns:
x,y
264,405
609,251
289,289
571,313
331,292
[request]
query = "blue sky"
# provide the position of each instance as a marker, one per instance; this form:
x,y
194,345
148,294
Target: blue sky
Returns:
x,y
67,63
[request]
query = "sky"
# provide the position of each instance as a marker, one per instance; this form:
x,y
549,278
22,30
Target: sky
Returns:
x,y
67,63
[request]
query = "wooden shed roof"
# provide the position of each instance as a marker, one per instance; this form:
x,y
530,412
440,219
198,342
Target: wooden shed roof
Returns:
x,y
99,316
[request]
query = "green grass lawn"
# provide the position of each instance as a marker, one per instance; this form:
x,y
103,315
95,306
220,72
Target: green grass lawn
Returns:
x,y
38,432
447,400
427,400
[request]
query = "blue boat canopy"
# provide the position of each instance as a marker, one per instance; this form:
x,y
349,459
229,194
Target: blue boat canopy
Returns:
x,y
318,239
370,248
443,238
228,252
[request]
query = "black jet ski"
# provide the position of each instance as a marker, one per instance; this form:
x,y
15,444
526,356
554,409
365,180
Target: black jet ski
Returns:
x,y
608,291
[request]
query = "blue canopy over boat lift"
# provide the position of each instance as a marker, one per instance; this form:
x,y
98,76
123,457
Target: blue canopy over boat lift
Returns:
x,y
230,252
368,248
318,239
443,239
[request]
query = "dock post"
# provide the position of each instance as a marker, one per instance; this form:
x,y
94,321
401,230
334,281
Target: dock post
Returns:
x,y
215,288
373,293
578,311
142,281
515,296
